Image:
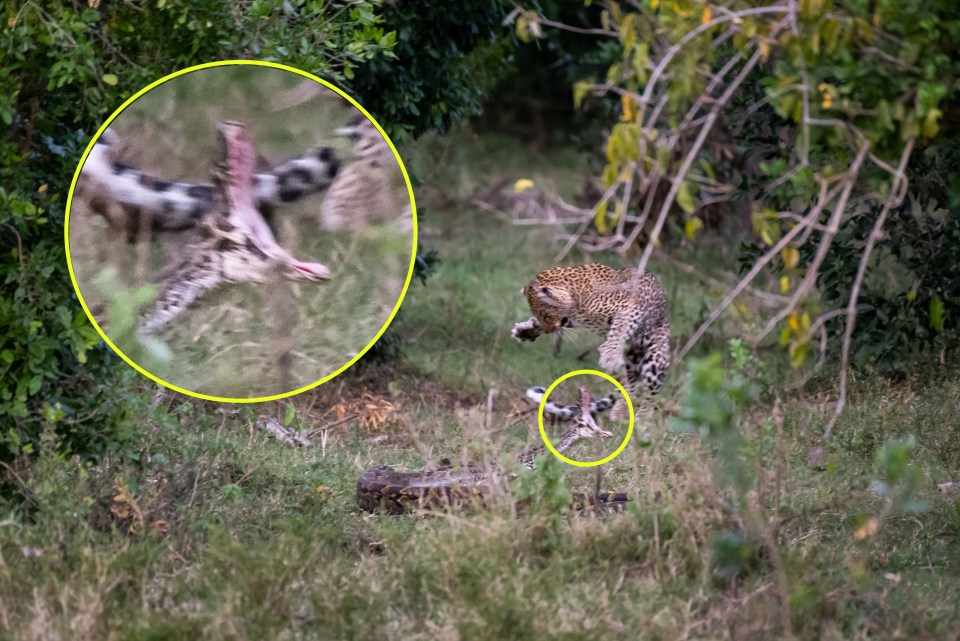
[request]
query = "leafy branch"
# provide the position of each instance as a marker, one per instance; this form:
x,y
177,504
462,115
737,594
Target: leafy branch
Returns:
x,y
825,94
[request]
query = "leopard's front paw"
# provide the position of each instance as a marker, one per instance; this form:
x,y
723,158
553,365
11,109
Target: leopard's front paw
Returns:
x,y
526,331
611,360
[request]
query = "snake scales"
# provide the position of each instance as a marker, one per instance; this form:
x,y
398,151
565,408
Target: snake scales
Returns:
x,y
176,206
236,243
384,488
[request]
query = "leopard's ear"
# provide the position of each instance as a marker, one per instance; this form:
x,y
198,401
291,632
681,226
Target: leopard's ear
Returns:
x,y
556,296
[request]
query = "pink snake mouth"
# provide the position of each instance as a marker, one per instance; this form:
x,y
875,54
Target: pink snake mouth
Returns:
x,y
239,157
312,271
587,417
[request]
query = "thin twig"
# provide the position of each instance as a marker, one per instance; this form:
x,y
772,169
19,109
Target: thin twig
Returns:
x,y
489,413
833,228
691,155
607,195
586,31
897,194
821,360
627,189
754,271
348,417
767,298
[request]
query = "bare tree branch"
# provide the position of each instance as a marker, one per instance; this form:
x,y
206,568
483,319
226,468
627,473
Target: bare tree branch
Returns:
x,y
676,48
897,194
691,156
833,227
585,31
755,270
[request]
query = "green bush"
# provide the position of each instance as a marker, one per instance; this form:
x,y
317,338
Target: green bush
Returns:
x,y
67,66
909,303
534,102
448,56
767,109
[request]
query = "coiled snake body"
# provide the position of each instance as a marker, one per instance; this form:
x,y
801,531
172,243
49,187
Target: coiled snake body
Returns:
x,y
236,244
384,488
176,206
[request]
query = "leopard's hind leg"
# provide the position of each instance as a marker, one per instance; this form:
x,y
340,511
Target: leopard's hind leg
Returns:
x,y
647,361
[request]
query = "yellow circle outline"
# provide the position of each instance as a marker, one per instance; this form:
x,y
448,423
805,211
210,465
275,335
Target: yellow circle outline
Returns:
x,y
226,63
543,432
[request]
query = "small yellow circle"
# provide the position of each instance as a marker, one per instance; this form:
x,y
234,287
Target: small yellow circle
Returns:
x,y
543,432
224,63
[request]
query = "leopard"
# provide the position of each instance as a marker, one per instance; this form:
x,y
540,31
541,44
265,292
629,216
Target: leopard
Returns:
x,y
626,307
363,190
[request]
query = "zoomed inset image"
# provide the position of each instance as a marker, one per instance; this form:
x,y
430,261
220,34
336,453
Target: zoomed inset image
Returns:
x,y
241,232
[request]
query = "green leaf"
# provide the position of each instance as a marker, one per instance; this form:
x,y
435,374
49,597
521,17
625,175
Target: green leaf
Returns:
x,y
288,415
613,73
641,56
600,218
628,34
707,169
785,336
691,228
798,354
685,198
830,32
109,79
909,128
909,52
884,117
931,126
663,158
936,313
580,90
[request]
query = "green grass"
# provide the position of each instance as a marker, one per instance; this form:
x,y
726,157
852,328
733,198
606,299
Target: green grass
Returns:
x,y
217,531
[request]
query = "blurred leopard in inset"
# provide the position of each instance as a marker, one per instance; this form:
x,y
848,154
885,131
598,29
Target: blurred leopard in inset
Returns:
x,y
363,190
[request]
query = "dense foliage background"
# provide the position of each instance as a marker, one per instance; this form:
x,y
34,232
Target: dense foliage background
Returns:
x,y
811,144
882,71
747,112
68,65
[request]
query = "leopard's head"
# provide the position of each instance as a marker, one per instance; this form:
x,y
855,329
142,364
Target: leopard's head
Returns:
x,y
368,143
553,304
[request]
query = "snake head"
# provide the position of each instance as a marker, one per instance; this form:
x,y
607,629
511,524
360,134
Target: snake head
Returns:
x,y
586,425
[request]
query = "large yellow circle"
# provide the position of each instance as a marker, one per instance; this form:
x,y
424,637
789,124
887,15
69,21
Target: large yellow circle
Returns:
x,y
223,63
543,432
